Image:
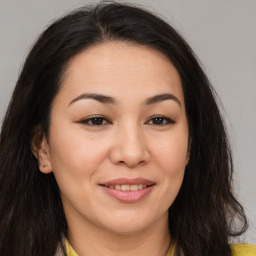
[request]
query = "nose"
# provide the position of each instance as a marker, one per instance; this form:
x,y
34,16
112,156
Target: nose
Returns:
x,y
130,147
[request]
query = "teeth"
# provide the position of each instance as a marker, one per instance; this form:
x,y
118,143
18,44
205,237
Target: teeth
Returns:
x,y
127,187
140,186
134,187
118,187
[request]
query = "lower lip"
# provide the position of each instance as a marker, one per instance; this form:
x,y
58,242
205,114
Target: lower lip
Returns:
x,y
128,196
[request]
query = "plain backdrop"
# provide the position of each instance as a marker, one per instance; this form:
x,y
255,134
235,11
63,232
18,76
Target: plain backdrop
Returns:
x,y
221,32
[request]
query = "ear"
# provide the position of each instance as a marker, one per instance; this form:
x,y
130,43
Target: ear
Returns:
x,y
189,150
40,149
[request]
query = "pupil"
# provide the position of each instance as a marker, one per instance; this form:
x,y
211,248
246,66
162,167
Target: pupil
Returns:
x,y
97,121
158,120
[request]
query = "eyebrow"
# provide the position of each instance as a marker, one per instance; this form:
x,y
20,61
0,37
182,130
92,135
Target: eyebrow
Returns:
x,y
99,97
111,100
162,97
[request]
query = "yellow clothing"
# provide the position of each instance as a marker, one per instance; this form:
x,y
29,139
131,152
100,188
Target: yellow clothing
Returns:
x,y
237,250
70,251
171,251
243,250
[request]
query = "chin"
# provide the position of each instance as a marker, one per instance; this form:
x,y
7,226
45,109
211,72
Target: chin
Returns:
x,y
125,229
127,224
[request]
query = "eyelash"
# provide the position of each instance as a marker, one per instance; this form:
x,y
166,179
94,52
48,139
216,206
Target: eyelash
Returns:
x,y
101,120
89,121
160,118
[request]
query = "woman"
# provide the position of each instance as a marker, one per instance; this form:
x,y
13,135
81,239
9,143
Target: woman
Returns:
x,y
113,145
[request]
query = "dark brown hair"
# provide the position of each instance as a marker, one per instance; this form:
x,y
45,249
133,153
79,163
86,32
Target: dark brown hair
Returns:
x,y
32,221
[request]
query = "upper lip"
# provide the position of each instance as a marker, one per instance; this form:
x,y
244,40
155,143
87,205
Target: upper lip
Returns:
x,y
127,181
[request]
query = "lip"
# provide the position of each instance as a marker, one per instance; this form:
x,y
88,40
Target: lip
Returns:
x,y
124,181
128,196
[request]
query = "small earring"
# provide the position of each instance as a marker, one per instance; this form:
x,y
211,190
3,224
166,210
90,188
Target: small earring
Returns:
x,y
44,165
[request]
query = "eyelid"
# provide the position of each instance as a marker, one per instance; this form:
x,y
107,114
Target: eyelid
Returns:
x,y
89,118
168,119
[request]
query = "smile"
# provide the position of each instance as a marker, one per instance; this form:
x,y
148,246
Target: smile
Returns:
x,y
128,187
128,190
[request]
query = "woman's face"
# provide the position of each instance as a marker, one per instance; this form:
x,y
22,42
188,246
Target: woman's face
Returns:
x,y
118,138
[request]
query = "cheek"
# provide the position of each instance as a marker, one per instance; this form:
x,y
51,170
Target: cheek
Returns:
x,y
171,153
73,153
171,159
75,160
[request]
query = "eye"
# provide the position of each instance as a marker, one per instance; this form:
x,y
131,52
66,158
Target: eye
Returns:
x,y
95,121
160,121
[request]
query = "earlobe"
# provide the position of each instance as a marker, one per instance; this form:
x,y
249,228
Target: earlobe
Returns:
x,y
40,150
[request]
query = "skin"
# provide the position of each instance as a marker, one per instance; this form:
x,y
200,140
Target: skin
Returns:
x,y
129,143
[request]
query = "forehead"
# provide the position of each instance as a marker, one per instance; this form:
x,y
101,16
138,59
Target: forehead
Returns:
x,y
121,69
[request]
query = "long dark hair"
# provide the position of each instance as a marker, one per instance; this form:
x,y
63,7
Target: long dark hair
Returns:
x,y
32,221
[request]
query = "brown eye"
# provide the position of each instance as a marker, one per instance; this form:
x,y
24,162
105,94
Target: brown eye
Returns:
x,y
160,120
95,121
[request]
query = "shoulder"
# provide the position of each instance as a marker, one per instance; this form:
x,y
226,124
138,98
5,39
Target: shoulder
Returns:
x,y
243,250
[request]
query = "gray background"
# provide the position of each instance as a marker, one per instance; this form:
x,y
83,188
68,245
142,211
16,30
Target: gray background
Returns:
x,y
221,32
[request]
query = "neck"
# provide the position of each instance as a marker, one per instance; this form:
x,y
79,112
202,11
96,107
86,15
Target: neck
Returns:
x,y
152,241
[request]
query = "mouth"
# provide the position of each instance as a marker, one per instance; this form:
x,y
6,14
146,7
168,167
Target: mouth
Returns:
x,y
128,190
127,184
127,187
